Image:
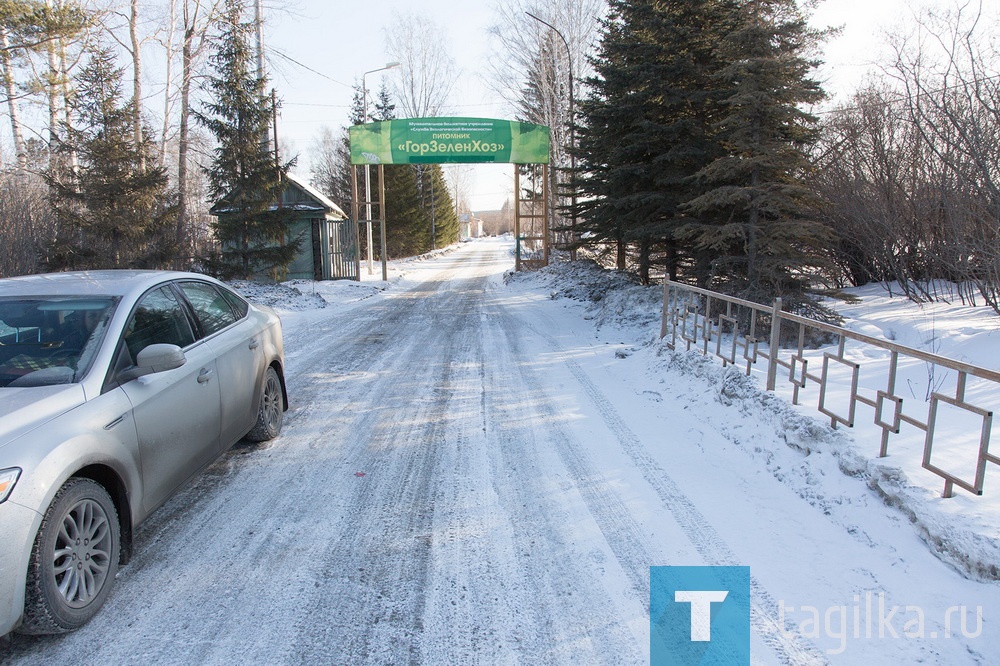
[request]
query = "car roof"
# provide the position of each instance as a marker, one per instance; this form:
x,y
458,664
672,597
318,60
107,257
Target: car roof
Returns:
x,y
90,283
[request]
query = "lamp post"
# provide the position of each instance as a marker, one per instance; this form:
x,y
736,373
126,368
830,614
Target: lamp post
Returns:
x,y
572,132
368,179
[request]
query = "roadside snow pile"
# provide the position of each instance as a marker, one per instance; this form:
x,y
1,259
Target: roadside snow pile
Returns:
x,y
963,531
612,297
433,254
963,332
303,295
278,296
964,539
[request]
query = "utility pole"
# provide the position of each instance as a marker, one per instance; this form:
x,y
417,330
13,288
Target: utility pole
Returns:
x,y
259,29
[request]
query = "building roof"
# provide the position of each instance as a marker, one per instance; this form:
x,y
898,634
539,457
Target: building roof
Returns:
x,y
321,198
308,198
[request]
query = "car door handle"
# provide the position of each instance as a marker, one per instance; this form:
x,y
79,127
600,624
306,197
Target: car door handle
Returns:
x,y
254,344
204,375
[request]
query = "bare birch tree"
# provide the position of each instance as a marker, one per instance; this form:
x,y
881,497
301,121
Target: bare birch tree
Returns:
x,y
198,16
530,64
947,70
532,68
10,89
911,166
422,86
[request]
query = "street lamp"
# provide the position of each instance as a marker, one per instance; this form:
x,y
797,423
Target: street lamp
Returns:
x,y
572,132
368,180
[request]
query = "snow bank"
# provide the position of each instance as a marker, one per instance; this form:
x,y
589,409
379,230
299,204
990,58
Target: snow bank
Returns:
x,y
961,531
612,297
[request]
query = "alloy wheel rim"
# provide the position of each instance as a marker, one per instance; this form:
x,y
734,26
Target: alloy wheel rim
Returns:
x,y
272,402
82,555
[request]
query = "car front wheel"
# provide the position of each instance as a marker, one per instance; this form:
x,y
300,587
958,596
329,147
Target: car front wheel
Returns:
x,y
271,411
74,560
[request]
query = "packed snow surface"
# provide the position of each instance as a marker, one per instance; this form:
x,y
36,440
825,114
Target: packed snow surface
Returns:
x,y
480,467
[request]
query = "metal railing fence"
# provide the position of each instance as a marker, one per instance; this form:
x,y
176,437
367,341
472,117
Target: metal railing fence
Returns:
x,y
741,332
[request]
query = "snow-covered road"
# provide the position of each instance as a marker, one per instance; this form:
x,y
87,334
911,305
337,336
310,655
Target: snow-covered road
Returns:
x,y
472,473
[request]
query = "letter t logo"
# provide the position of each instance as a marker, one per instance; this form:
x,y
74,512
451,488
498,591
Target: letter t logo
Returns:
x,y
701,610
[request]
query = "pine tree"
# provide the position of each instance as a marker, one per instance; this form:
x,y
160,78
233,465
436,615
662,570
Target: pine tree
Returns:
x,y
245,178
419,209
32,27
112,208
757,218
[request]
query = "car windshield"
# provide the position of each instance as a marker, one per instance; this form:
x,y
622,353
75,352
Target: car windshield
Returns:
x,y
50,340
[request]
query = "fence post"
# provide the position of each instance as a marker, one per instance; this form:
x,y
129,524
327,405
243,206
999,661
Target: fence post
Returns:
x,y
666,304
772,357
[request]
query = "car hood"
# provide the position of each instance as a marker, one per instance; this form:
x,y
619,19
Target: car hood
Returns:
x,y
24,409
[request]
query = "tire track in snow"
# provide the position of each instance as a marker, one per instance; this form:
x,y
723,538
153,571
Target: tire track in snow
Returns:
x,y
787,645
380,581
542,537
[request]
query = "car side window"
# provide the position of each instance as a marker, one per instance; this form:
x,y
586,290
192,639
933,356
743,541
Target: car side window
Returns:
x,y
240,306
212,310
158,319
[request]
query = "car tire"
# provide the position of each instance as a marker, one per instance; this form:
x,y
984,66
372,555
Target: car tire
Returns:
x,y
271,411
74,560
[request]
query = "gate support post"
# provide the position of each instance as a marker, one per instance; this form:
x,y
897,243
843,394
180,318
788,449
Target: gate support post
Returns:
x,y
354,217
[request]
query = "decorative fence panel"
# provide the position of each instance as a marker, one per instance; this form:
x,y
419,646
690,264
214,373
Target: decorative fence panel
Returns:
x,y
797,351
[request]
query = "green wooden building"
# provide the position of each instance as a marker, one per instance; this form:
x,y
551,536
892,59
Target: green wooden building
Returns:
x,y
329,248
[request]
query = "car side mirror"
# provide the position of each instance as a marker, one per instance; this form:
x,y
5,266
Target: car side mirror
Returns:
x,y
153,359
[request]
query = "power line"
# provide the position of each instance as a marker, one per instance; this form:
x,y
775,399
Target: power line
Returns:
x,y
306,67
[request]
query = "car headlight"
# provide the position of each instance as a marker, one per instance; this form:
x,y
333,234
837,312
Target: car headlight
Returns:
x,y
8,477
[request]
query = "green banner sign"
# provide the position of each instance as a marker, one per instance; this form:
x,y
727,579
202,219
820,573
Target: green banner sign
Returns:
x,y
444,140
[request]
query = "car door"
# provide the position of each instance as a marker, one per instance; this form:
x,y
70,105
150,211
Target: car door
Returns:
x,y
236,340
176,412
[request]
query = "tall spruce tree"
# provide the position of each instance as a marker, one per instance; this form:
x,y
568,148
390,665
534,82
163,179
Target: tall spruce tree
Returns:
x,y
407,234
112,209
757,218
245,178
607,119
419,211
445,219
647,125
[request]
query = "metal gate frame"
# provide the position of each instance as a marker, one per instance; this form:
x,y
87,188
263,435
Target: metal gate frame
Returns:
x,y
378,203
529,213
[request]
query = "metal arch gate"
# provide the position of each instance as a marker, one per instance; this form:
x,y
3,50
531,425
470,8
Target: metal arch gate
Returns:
x,y
455,140
532,243
369,204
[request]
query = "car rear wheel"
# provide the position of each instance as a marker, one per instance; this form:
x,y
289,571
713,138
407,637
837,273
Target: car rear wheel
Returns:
x,y
271,411
74,560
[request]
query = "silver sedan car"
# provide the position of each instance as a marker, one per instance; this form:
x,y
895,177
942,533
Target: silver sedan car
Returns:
x,y
116,387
